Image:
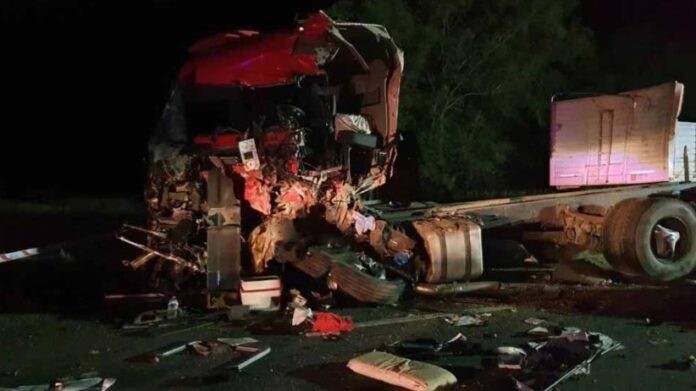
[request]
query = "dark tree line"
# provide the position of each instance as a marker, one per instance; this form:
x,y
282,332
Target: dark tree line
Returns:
x,y
479,76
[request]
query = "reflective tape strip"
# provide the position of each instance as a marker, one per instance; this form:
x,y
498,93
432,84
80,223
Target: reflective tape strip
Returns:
x,y
13,256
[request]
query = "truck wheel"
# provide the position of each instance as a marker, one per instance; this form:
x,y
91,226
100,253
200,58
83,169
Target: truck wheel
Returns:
x,y
316,265
348,278
633,235
365,287
618,234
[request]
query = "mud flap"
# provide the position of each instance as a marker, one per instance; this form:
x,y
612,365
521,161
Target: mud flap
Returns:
x,y
224,243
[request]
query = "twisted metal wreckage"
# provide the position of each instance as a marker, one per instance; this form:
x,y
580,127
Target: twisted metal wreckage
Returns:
x,y
267,144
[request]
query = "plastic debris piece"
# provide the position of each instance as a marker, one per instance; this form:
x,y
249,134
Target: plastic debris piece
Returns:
x,y
237,341
250,354
468,320
510,350
535,321
458,337
363,223
300,315
206,348
538,331
296,299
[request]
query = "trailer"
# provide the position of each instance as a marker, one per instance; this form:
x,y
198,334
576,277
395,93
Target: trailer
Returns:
x,y
596,142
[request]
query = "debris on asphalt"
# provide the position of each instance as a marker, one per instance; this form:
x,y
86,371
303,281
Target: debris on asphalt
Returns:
x,y
511,361
206,348
249,355
69,384
327,322
538,331
658,341
535,321
149,318
569,354
300,315
165,352
312,334
466,320
403,319
238,312
202,348
429,348
234,342
686,364
510,350
401,372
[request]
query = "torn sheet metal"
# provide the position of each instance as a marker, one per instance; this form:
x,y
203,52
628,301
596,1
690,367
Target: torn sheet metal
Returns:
x,y
249,355
351,123
265,237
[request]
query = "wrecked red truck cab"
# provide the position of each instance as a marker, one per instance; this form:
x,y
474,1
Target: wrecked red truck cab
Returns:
x,y
261,129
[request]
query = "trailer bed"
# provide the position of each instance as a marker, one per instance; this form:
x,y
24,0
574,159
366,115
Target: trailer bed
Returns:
x,y
526,209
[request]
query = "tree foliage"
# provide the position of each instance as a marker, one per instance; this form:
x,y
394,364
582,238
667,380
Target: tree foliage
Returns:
x,y
477,84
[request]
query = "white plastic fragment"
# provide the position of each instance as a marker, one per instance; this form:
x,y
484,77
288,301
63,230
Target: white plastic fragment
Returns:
x,y
535,321
300,315
510,351
538,331
465,320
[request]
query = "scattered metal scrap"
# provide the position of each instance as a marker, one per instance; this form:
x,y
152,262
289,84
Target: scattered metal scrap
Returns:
x,y
202,348
91,383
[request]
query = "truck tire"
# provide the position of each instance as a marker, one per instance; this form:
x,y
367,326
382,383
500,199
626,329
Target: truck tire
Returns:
x,y
619,234
348,278
630,244
316,265
364,287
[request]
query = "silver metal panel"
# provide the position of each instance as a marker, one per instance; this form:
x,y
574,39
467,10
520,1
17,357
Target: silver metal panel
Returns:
x,y
224,236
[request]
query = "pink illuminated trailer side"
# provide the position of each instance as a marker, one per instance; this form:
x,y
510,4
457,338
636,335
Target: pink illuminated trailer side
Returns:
x,y
627,138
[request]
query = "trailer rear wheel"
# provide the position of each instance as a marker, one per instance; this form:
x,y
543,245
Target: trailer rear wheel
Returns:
x,y
653,237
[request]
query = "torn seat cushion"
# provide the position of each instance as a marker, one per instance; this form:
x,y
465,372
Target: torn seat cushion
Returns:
x,y
402,372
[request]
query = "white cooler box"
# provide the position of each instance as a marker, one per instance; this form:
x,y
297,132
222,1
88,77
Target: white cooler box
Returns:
x,y
261,293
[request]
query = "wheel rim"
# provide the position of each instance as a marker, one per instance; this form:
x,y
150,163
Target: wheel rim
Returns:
x,y
669,240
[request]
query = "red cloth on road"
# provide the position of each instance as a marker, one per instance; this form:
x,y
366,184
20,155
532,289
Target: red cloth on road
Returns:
x,y
327,322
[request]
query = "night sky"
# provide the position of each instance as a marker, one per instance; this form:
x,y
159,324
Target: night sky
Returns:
x,y
84,81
